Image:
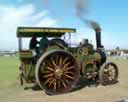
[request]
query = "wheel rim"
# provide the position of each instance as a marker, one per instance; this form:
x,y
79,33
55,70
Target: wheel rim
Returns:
x,y
58,72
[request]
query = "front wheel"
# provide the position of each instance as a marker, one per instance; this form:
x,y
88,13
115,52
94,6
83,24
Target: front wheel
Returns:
x,y
108,74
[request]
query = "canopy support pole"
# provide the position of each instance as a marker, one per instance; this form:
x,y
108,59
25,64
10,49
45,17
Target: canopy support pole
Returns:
x,y
20,43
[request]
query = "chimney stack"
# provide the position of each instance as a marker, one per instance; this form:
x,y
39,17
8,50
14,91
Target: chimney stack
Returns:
x,y
98,38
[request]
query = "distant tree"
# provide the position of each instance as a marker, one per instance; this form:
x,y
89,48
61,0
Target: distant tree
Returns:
x,y
117,48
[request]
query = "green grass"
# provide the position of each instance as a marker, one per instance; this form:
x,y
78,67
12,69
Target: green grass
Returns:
x,y
8,75
8,68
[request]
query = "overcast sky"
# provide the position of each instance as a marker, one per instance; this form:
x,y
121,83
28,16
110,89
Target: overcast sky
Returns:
x,y
112,16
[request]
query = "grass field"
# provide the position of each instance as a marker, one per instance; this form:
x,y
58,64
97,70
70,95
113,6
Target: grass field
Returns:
x,y
10,90
8,76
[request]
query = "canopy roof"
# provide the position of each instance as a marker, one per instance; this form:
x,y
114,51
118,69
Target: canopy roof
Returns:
x,y
43,31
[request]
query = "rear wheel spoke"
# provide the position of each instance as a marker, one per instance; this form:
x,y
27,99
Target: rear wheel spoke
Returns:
x,y
63,83
47,81
69,76
46,72
65,60
54,85
53,62
48,75
68,68
60,62
48,63
49,68
66,80
69,73
52,81
66,65
58,83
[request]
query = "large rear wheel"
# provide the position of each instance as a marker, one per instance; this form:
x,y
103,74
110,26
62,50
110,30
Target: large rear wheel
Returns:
x,y
57,72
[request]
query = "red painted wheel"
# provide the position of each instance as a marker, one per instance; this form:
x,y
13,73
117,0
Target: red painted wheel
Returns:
x,y
57,72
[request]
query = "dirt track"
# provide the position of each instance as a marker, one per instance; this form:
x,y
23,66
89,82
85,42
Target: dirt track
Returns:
x,y
99,93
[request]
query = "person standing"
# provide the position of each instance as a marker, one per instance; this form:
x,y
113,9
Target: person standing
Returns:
x,y
33,43
43,44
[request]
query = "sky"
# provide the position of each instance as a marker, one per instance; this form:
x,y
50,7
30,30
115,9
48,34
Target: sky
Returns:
x,y
112,16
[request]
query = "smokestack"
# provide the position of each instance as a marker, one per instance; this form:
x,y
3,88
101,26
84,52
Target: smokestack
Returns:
x,y
98,38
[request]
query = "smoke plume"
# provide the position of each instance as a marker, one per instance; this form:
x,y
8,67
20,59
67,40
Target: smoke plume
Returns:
x,y
81,10
81,7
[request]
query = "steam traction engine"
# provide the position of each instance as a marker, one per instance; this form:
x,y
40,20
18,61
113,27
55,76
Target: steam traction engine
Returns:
x,y
58,69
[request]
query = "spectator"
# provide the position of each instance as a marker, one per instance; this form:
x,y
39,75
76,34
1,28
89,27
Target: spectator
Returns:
x,y
85,43
43,44
33,43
